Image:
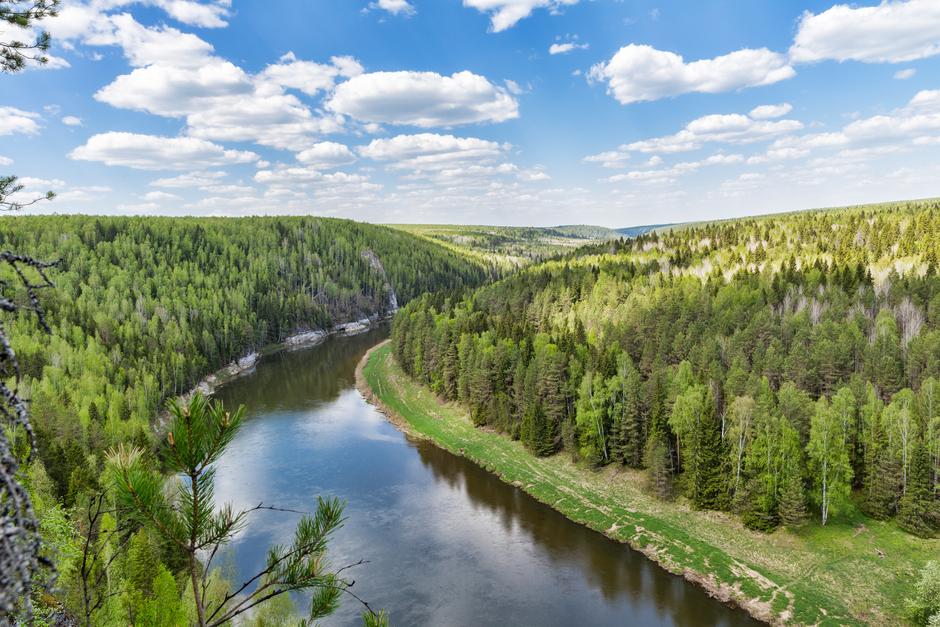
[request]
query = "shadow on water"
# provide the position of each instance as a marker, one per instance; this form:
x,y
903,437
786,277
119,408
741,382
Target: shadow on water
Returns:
x,y
447,542
618,571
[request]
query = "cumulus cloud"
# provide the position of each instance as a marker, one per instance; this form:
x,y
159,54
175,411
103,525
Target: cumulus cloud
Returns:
x,y
289,175
152,152
915,124
565,47
158,196
168,90
505,14
308,76
13,120
609,158
892,32
326,155
431,151
903,75
190,180
76,19
71,120
448,161
732,128
222,102
395,7
638,73
424,99
667,175
769,112
5,161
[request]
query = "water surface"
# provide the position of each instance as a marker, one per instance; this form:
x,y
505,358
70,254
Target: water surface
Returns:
x,y
447,543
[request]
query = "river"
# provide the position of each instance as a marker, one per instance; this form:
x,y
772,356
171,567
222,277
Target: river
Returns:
x,y
446,542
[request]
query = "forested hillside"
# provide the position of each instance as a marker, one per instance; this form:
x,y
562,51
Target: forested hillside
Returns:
x,y
142,308
505,248
772,367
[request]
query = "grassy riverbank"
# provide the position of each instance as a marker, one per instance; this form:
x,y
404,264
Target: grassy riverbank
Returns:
x,y
853,571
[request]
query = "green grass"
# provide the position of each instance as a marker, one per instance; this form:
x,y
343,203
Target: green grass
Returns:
x,y
853,571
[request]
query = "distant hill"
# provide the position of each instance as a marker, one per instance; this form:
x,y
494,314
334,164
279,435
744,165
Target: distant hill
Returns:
x,y
507,247
585,231
636,231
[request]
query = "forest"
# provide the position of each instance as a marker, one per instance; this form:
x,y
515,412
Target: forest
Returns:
x,y
782,368
502,249
141,309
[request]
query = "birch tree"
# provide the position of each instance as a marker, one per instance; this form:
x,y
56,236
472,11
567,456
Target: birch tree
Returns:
x,y
828,454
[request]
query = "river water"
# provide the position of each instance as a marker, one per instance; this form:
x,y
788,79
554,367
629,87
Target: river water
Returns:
x,y
446,542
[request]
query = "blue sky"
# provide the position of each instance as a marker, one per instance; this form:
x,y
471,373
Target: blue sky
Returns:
x,y
528,112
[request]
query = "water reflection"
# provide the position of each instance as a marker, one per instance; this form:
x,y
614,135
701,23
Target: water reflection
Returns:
x,y
447,543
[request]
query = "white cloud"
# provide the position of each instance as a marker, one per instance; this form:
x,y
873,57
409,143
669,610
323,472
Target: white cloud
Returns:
x,y
151,152
424,99
565,47
145,46
395,7
768,112
190,179
170,91
211,15
13,120
71,120
915,124
506,13
642,73
159,196
288,175
221,102
667,175
892,32
903,75
609,158
733,128
326,155
431,151
4,161
307,76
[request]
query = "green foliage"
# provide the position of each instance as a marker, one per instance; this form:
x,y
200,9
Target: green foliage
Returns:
x,y
918,512
504,248
165,608
143,308
923,607
189,519
747,361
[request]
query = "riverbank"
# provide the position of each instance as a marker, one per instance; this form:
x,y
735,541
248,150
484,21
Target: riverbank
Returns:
x,y
298,341
853,571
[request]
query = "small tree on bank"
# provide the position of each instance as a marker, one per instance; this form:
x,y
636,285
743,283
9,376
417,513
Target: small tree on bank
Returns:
x,y
189,519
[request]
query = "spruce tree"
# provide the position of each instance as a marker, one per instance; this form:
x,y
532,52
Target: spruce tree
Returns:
x,y
707,484
658,461
791,501
918,510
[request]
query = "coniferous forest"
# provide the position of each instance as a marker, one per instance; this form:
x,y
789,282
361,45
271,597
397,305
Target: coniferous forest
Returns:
x,y
775,367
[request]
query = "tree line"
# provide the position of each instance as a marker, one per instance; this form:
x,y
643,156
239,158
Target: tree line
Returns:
x,y
770,367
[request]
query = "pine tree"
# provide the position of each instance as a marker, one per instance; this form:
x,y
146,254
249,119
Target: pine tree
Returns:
x,y
707,485
918,509
189,520
882,485
791,503
658,461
